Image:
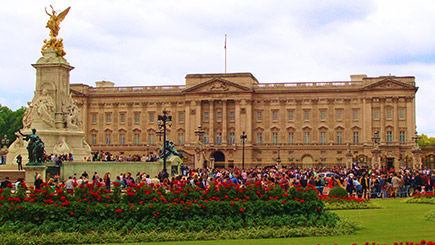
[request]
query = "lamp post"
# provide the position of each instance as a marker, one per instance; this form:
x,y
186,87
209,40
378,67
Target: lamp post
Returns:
x,y
243,137
199,132
278,159
164,121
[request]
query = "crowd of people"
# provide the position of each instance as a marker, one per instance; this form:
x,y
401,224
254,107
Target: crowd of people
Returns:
x,y
364,183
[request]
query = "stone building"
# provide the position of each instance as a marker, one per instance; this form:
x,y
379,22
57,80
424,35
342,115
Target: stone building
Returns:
x,y
369,120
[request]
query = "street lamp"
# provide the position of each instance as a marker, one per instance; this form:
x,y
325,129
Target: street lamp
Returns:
x,y
243,137
278,159
163,122
199,132
376,139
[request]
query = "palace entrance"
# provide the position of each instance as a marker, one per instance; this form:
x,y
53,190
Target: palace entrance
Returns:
x,y
219,159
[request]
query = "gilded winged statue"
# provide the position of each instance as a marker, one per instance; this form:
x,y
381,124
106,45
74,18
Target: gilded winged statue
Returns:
x,y
54,21
53,24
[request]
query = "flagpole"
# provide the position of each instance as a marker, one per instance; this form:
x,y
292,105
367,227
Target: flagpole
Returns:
x,y
225,47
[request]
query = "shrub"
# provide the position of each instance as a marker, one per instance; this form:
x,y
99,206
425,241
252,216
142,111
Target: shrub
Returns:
x,y
338,192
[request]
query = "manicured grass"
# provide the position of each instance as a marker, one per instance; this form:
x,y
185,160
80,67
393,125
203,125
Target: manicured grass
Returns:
x,y
395,221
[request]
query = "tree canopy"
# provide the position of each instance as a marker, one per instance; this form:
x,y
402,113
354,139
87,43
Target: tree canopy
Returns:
x,y
10,122
425,140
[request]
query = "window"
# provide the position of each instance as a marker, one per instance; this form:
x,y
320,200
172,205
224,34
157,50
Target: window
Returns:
x,y
389,115
339,115
376,114
136,117
108,118
94,139
274,116
181,117
180,138
339,137
290,115
307,115
151,138
322,115
356,137
94,117
206,138
259,116
151,117
401,113
402,136
108,139
232,138
355,115
306,137
219,116
218,138
275,137
323,137
122,117
291,138
206,117
122,139
259,138
389,136
232,116
136,138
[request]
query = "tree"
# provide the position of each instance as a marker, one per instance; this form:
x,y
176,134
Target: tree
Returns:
x,y
10,122
425,140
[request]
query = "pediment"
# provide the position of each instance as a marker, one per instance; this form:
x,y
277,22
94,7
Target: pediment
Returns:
x,y
217,85
389,83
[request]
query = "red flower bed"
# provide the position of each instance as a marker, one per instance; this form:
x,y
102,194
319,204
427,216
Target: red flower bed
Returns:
x,y
333,199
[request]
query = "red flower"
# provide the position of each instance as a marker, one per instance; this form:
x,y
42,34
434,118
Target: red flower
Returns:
x,y
72,213
242,210
118,210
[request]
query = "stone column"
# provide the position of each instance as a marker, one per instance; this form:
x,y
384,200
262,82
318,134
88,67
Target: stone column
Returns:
x,y
211,122
382,118
198,114
248,117
224,122
188,124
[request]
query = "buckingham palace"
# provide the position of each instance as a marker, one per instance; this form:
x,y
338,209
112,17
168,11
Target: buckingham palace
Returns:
x,y
231,118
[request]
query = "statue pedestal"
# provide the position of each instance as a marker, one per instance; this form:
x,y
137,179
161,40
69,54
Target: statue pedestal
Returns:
x,y
31,172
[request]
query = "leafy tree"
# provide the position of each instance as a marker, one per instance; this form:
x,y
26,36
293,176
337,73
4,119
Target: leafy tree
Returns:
x,y
10,122
425,140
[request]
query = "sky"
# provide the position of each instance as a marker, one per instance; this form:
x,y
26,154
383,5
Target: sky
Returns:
x,y
158,42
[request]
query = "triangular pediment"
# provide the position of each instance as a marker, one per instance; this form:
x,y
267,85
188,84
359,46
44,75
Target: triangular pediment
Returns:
x,y
389,83
217,85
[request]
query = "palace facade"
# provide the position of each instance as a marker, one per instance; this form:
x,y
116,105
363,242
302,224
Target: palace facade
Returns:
x,y
369,120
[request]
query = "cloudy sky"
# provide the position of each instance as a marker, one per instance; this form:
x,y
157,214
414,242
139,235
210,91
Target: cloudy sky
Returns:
x,y
158,42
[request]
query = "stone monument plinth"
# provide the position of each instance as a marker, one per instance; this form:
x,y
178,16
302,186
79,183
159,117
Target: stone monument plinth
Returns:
x,y
31,172
52,112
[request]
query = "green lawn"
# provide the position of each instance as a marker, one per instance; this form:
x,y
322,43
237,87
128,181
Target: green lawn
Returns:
x,y
394,222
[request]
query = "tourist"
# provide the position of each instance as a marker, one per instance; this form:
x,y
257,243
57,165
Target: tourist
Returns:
x,y
396,184
19,162
6,183
129,180
38,182
107,181
69,184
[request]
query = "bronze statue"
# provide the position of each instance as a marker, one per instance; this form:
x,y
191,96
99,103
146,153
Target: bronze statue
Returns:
x,y
35,148
53,24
